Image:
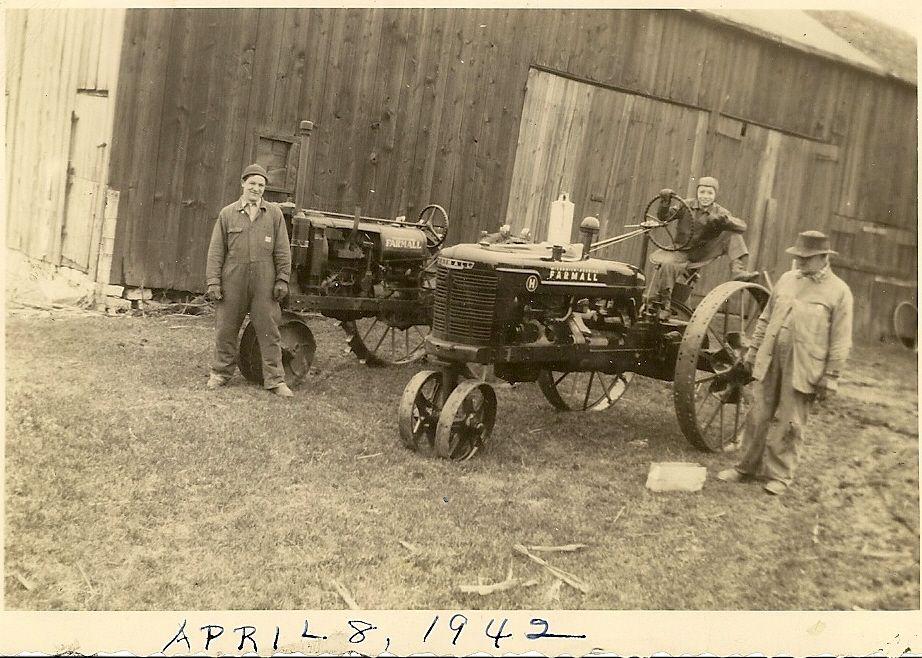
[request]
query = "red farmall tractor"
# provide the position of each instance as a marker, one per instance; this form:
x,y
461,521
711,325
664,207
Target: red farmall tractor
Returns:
x,y
577,326
375,276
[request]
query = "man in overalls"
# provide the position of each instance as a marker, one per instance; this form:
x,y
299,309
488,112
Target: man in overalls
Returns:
x,y
798,351
249,262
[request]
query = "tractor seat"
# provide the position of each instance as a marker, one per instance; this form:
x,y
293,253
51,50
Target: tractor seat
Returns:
x,y
661,256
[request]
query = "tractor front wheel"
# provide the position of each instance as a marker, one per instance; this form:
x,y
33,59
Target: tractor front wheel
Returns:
x,y
466,420
418,413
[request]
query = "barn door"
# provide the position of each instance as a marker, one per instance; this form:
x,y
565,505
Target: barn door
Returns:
x,y
612,152
85,177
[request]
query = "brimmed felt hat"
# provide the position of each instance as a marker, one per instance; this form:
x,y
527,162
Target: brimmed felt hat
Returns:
x,y
254,170
810,243
708,181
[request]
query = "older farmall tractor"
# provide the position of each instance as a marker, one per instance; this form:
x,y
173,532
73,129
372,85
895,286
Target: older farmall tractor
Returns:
x,y
375,276
578,327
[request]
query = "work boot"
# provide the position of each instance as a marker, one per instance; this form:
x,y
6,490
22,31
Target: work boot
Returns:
x,y
733,475
739,271
775,487
216,381
282,391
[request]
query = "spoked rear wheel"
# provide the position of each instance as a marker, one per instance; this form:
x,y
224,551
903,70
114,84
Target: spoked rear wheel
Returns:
x,y
377,343
711,391
466,420
583,391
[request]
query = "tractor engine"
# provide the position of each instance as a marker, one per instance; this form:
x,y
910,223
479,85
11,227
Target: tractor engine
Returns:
x,y
335,255
494,300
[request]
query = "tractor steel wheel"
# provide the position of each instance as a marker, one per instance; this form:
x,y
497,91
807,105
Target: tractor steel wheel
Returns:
x,y
298,347
711,389
466,420
905,324
418,413
377,343
583,391
249,360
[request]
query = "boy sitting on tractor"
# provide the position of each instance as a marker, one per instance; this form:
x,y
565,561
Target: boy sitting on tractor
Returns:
x,y
705,230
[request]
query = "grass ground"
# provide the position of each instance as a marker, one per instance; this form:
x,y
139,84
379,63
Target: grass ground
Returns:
x,y
129,486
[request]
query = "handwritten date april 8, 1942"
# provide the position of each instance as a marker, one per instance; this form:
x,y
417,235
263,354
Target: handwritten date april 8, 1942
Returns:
x,y
215,637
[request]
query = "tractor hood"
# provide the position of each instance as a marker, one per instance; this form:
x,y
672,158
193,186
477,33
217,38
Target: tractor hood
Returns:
x,y
536,259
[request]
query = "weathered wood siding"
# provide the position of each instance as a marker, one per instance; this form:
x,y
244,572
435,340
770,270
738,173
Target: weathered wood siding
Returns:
x,y
413,106
61,69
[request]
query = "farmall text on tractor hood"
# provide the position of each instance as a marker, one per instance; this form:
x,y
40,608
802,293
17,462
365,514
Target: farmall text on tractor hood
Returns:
x,y
536,259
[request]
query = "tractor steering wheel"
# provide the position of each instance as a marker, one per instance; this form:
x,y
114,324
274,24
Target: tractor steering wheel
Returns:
x,y
433,222
664,233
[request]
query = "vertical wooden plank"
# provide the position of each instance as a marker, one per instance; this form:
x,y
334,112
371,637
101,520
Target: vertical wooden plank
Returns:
x,y
123,131
64,81
527,147
764,191
541,34
477,153
553,116
15,34
83,24
427,155
97,45
324,29
239,78
685,43
568,177
361,167
474,56
41,29
514,82
401,129
106,68
214,123
128,67
293,48
146,137
424,113
502,105
164,249
335,139
261,96
599,159
384,106
459,66
113,34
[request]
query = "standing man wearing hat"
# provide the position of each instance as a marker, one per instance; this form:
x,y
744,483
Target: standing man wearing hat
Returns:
x,y
709,231
798,350
249,262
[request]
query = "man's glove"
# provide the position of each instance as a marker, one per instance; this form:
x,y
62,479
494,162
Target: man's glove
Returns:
x,y
214,293
825,388
746,371
279,291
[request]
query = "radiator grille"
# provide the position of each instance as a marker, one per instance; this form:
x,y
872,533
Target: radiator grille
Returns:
x,y
464,304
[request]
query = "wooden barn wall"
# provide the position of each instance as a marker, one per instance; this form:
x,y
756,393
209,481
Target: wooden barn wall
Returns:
x,y
417,106
56,58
